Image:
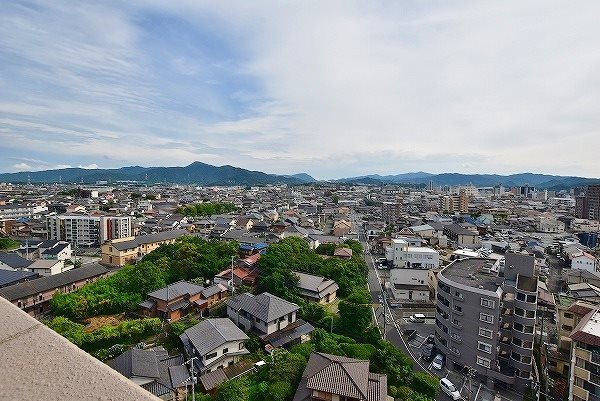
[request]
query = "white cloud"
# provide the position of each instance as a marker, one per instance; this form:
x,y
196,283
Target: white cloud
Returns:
x,y
93,166
22,167
335,88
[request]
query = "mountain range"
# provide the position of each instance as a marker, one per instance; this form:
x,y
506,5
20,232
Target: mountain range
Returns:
x,y
205,174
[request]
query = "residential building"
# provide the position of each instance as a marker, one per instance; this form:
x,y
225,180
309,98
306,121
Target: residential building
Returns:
x,y
12,261
55,250
153,370
216,343
403,255
486,316
122,251
391,211
450,204
78,229
11,277
585,359
115,227
48,267
34,296
588,205
15,211
178,299
410,284
271,318
461,236
332,377
316,288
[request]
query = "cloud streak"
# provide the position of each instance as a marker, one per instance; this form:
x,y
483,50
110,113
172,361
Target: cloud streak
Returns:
x,y
335,89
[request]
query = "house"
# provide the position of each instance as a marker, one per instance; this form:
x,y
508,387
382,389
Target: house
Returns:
x,y
154,370
461,236
12,261
343,253
49,267
271,318
216,343
316,288
341,227
246,273
53,249
11,277
332,377
122,251
34,296
178,299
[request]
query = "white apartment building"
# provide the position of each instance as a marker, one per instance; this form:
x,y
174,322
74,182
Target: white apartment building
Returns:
x,y
403,255
114,227
79,230
410,284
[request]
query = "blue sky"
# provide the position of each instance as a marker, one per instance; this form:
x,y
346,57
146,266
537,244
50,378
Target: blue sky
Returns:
x,y
335,88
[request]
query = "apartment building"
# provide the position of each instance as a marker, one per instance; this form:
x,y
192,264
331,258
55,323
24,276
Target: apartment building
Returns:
x,y
454,203
119,252
485,317
402,255
391,211
588,206
585,359
78,229
114,227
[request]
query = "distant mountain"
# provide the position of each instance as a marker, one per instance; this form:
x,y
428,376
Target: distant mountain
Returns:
x,y
302,177
542,181
196,173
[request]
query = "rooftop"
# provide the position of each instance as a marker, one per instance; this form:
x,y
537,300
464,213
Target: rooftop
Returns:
x,y
470,272
62,371
588,329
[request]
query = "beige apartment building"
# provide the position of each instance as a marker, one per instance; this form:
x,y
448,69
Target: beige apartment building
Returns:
x,y
122,251
585,359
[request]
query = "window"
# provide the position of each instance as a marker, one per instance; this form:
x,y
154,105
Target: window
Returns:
x,y
242,345
579,362
210,356
484,317
458,308
483,362
225,350
321,395
568,315
19,304
458,294
487,333
41,297
566,327
485,347
488,303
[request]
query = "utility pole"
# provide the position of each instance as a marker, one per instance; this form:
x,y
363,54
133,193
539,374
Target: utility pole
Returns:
x,y
232,283
470,373
384,312
192,371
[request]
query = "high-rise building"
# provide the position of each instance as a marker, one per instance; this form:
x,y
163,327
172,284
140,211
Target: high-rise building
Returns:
x,y
486,315
79,230
588,205
114,227
585,359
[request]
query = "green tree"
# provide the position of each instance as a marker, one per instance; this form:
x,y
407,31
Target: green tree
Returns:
x,y
280,390
313,311
393,362
425,383
355,311
285,366
7,243
232,390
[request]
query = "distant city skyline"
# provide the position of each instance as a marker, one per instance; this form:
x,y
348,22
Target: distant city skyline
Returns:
x,y
334,89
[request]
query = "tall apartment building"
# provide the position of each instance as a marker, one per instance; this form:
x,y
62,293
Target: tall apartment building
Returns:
x,y
585,359
391,211
455,203
79,230
485,317
114,227
588,205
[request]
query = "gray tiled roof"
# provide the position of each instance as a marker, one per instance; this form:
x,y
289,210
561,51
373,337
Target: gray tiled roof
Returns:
x,y
212,333
148,238
316,284
265,306
28,288
8,277
13,260
342,376
176,290
136,362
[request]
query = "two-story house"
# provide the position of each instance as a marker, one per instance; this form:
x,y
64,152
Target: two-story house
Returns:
x,y
316,288
332,377
178,299
216,343
272,319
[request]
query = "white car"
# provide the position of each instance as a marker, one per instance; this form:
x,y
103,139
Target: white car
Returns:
x,y
449,388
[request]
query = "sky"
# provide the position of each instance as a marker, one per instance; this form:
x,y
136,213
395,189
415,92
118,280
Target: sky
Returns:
x,y
331,88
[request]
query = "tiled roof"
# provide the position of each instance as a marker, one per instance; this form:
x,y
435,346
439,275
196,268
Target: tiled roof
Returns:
x,y
212,333
32,287
13,260
176,290
265,306
148,239
11,276
136,362
316,284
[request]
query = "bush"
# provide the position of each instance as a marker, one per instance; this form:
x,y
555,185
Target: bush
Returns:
x,y
280,391
426,384
358,351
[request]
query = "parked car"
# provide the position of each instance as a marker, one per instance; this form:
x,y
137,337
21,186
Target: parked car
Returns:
x,y
438,362
449,388
417,318
427,352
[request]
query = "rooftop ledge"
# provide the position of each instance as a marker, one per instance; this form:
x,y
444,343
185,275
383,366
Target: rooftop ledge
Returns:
x,y
37,363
